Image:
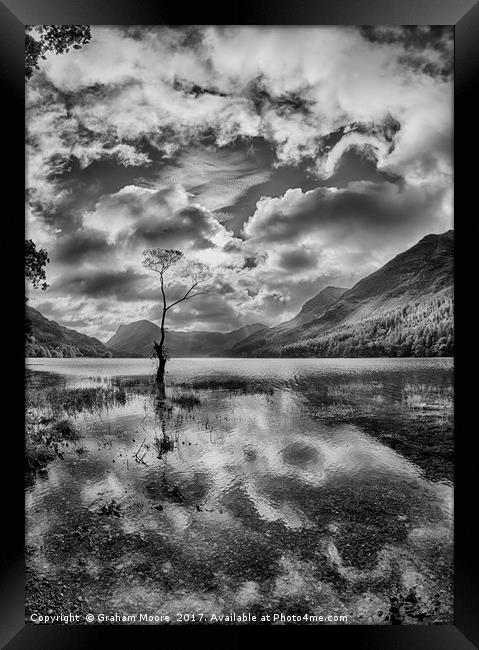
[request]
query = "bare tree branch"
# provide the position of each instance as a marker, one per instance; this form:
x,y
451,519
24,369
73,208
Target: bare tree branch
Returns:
x,y
187,296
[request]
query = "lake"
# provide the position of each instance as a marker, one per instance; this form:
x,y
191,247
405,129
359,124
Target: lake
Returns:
x,y
293,487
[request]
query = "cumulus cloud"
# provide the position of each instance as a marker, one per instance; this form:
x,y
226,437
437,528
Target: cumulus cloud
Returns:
x,y
360,210
291,86
353,229
137,217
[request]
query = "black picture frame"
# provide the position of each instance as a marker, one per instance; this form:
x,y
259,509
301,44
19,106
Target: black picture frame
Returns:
x,y
464,15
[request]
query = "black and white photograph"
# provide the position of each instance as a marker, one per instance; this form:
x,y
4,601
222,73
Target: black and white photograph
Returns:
x,y
239,325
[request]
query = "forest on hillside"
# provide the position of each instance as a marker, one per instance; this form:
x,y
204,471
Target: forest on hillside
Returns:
x,y
34,349
424,329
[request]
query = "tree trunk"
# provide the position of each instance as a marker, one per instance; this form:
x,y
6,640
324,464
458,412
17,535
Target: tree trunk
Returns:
x,y
161,396
160,373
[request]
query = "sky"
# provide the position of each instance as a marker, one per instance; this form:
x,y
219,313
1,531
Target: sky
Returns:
x,y
287,159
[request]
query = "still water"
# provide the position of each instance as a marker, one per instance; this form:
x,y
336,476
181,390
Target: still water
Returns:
x,y
302,486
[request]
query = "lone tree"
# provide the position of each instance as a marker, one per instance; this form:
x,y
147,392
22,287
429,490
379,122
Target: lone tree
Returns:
x,y
35,261
40,39
192,274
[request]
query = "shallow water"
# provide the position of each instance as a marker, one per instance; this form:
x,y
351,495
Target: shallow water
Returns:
x,y
305,486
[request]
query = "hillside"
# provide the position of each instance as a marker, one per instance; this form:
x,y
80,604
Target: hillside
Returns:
x,y
405,289
46,338
418,274
424,329
134,337
271,336
312,309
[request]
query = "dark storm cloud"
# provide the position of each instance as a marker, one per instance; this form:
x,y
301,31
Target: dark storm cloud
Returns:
x,y
298,259
126,286
189,224
213,313
121,285
81,246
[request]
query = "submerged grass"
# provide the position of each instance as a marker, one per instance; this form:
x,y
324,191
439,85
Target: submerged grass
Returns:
x,y
338,411
186,400
345,391
37,456
48,418
45,438
416,420
427,397
67,430
236,384
75,400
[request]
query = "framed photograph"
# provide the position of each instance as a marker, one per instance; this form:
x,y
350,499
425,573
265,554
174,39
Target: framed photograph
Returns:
x,y
238,324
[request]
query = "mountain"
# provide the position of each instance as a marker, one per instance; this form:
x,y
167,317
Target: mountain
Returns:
x,y
312,309
137,338
271,336
418,329
134,338
46,338
410,295
421,272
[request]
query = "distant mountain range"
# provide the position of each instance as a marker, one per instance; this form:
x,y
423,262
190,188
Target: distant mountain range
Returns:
x,y
137,338
405,308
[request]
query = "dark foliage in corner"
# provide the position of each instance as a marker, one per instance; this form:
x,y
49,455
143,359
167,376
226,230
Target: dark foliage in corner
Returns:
x,y
40,39
35,262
